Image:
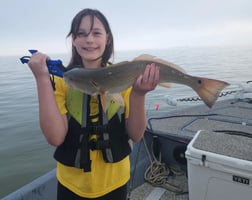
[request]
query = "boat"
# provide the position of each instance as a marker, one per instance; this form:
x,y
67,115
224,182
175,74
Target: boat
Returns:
x,y
159,163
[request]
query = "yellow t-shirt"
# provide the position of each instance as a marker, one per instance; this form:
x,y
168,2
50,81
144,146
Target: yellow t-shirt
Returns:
x,y
104,177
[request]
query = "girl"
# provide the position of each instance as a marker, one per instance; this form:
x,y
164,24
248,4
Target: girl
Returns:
x,y
93,161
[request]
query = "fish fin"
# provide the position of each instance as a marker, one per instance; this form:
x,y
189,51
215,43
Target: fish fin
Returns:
x,y
144,57
107,97
150,58
117,97
209,90
104,102
166,85
120,63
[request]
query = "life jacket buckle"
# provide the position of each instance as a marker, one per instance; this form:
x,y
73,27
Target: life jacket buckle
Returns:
x,y
98,144
97,129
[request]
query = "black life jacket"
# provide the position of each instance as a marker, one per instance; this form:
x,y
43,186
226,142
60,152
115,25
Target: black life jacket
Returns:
x,y
112,138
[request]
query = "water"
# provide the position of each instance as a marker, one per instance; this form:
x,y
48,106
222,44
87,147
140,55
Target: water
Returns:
x,y
24,153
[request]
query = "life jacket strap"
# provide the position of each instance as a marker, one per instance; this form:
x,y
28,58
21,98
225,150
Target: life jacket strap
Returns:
x,y
85,161
91,128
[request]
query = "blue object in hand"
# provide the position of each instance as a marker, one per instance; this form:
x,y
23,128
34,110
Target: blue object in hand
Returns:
x,y
55,67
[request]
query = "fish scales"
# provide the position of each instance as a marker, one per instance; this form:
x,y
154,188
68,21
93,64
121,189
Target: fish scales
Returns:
x,y
120,76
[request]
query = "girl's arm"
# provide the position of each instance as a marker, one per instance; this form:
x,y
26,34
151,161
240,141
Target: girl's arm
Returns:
x,y
136,122
53,125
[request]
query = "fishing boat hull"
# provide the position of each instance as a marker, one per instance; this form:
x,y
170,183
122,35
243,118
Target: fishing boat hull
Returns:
x,y
167,136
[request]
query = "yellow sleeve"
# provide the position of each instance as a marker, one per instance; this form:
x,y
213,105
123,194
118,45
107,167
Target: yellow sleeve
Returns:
x,y
60,94
126,95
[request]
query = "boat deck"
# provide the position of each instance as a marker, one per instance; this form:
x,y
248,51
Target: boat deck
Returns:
x,y
148,192
179,127
225,115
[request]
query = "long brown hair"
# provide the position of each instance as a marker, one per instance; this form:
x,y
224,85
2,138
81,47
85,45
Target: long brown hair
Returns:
x,y
109,50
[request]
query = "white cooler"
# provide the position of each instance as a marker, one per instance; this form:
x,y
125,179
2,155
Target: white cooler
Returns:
x,y
219,166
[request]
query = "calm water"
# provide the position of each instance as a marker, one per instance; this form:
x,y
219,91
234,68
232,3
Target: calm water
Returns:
x,y
24,153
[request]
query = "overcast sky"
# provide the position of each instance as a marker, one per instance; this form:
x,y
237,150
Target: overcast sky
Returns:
x,y
136,24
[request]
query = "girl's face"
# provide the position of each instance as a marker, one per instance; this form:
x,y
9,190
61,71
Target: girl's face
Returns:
x,y
91,42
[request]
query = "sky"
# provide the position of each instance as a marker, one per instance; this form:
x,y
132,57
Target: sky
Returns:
x,y
136,24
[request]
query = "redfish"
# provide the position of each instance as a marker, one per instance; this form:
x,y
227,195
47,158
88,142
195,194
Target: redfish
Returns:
x,y
120,76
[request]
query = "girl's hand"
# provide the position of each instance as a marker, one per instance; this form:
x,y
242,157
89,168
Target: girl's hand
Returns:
x,y
38,66
147,81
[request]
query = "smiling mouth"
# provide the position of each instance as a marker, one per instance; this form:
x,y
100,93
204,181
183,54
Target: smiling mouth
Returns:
x,y
90,48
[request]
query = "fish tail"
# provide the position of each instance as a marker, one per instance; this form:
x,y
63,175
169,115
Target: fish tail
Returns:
x,y
209,90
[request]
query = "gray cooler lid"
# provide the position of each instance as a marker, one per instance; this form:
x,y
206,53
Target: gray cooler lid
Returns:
x,y
231,144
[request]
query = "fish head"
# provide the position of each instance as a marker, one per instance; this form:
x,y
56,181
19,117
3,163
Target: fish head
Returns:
x,y
80,79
